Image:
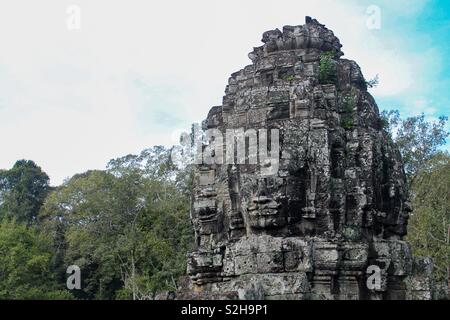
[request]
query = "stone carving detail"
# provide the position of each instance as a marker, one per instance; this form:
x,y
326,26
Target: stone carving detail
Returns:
x,y
336,205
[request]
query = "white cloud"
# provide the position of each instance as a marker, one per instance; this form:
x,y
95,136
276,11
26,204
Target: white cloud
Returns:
x,y
423,105
69,99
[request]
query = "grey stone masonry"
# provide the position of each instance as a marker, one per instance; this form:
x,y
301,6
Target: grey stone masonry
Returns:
x,y
337,203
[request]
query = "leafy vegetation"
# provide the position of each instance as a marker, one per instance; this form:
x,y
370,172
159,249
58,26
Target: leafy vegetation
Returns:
x,y
428,172
23,190
288,78
373,83
349,108
26,267
418,139
127,228
429,225
327,69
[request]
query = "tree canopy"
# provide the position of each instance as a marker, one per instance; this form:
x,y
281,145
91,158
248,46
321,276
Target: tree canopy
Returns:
x,y
127,227
417,138
23,190
429,225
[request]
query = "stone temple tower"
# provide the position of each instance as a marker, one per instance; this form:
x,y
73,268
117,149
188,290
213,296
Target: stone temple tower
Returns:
x,y
326,221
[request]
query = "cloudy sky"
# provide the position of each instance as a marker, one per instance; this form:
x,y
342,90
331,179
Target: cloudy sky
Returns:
x,y
137,72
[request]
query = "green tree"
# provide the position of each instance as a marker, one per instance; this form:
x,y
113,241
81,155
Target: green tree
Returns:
x,y
429,225
162,229
417,139
26,264
428,172
127,228
327,68
78,217
23,190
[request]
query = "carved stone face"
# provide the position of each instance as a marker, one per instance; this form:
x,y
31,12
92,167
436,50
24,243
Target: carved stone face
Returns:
x,y
265,213
396,223
264,198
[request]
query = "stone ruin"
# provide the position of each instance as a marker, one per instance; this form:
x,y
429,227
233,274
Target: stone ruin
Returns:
x,y
335,210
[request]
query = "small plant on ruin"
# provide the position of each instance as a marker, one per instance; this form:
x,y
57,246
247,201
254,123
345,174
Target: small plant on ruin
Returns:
x,y
288,78
349,108
373,83
327,72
